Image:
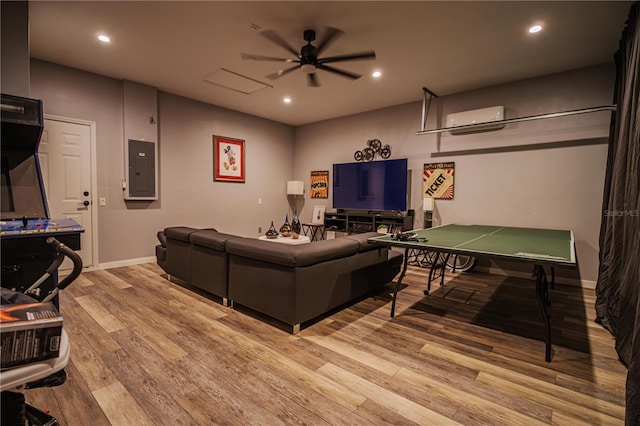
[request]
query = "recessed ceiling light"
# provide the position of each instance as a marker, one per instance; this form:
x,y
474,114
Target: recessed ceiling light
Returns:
x,y
535,29
287,100
104,38
376,74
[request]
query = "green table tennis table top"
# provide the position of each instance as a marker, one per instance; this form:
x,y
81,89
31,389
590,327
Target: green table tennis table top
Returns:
x,y
530,244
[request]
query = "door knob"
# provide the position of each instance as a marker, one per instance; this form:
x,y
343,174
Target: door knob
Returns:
x,y
85,203
86,193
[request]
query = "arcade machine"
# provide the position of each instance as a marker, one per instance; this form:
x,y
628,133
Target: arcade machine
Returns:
x,y
25,223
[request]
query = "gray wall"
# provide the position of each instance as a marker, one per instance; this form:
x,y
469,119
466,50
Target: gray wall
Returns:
x,y
14,49
188,194
547,173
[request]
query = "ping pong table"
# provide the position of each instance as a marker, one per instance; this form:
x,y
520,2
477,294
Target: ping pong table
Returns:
x,y
541,247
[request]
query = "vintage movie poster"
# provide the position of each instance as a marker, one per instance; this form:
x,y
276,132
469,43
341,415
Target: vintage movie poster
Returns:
x,y
320,184
437,180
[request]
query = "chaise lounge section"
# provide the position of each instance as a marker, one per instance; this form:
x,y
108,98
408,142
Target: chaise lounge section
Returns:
x,y
295,284
290,283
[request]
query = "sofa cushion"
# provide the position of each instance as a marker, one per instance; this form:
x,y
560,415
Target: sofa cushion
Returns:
x,y
363,240
292,255
211,238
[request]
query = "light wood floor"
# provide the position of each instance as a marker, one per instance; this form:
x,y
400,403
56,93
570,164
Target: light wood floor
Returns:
x,y
148,351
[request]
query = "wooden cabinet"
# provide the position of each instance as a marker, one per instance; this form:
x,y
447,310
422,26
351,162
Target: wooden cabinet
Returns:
x,y
357,222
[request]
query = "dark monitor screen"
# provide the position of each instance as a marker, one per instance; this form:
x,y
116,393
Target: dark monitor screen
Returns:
x,y
376,185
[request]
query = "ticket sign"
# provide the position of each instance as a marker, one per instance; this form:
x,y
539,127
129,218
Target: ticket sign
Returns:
x,y
437,180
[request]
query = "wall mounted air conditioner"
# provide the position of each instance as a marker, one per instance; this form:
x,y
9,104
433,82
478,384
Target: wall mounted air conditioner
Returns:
x,y
475,120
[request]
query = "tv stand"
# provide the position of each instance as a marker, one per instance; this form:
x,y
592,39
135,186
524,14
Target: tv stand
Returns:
x,y
355,222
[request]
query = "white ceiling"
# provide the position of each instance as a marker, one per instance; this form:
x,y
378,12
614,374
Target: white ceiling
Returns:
x,y
448,47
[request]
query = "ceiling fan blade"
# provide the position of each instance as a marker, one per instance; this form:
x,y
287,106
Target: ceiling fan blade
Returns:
x,y
280,73
312,80
277,39
370,54
251,56
330,36
343,73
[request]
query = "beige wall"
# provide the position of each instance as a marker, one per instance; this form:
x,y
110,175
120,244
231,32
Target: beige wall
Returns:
x,y
547,173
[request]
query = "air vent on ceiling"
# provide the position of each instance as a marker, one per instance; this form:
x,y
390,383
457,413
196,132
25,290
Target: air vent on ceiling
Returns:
x,y
234,81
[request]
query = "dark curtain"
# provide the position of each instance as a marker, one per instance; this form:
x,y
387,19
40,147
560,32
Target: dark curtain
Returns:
x,y
618,286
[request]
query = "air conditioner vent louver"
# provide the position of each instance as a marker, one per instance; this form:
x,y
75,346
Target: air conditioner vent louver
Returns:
x,y
477,120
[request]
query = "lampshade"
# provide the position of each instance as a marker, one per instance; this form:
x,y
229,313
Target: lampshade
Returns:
x,y
427,204
295,187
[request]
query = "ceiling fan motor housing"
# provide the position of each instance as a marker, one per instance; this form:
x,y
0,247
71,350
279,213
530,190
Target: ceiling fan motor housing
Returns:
x,y
309,35
308,55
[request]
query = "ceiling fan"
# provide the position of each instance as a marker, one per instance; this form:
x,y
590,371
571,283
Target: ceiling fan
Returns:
x,y
307,60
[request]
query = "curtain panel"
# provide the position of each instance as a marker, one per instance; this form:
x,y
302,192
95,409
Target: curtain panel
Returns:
x,y
618,286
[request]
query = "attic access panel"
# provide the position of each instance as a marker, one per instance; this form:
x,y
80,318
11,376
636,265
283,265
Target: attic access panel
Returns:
x,y
142,173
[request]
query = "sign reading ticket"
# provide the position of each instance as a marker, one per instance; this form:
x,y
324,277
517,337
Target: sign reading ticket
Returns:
x,y
437,180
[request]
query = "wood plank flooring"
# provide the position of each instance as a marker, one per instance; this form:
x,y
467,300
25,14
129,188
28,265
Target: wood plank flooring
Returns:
x,y
146,351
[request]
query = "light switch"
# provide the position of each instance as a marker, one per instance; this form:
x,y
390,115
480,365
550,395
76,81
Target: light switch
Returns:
x,y
102,201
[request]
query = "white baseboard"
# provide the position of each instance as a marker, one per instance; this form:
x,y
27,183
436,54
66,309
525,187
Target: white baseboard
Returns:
x,y
527,275
128,262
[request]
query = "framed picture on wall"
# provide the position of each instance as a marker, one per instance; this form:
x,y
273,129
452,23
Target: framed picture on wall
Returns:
x,y
320,184
437,180
318,215
228,159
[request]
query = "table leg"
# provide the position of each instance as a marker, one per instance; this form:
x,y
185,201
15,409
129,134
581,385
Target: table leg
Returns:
x,y
435,265
397,288
542,293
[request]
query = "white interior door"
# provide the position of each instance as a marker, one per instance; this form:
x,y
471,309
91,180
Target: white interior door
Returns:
x,y
65,160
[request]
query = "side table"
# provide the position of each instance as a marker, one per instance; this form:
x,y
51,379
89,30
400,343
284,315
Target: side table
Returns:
x,y
313,230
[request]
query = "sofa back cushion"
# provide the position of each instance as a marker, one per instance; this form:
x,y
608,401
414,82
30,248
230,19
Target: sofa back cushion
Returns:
x,y
210,238
292,255
180,233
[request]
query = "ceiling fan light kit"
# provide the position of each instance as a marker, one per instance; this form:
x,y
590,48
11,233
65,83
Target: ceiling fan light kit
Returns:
x,y
308,60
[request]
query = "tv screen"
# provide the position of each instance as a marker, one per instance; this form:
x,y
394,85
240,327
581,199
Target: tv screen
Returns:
x,y
375,185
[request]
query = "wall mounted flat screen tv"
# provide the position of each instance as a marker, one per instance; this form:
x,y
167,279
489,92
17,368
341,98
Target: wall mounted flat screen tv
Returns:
x,y
375,185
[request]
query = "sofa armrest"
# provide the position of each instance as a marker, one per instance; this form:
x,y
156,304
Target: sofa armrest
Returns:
x,y
162,238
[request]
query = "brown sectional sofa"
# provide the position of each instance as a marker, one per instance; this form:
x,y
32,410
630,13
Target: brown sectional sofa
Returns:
x,y
291,283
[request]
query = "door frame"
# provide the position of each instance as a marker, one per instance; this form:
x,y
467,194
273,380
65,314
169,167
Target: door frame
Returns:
x,y
94,180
